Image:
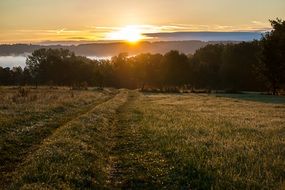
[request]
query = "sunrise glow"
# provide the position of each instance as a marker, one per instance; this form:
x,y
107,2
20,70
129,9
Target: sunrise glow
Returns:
x,y
130,34
33,21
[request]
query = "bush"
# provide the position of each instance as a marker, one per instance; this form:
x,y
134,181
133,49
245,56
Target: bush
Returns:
x,y
80,86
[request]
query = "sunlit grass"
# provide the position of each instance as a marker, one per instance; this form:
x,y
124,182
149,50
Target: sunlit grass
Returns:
x,y
121,139
217,142
27,119
76,155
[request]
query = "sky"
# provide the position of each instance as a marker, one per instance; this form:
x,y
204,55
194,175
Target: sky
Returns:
x,y
34,21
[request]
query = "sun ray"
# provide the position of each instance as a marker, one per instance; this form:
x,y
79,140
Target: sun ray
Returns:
x,y
130,34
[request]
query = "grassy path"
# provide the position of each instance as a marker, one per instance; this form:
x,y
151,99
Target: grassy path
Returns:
x,y
165,142
134,163
104,148
74,156
17,146
122,143
157,141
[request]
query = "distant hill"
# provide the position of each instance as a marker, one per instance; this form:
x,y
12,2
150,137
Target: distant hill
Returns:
x,y
111,49
207,36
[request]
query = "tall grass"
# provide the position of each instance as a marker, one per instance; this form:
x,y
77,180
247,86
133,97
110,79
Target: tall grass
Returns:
x,y
25,123
121,139
75,156
213,142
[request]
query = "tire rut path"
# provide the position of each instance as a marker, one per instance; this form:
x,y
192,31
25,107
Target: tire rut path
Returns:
x,y
7,172
123,144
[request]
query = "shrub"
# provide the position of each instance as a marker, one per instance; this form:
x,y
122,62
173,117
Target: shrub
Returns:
x,y
80,86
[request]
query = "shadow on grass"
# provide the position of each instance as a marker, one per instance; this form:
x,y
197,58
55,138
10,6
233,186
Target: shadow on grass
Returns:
x,y
256,97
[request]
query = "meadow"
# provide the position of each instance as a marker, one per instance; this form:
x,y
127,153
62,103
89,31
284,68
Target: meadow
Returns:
x,y
57,138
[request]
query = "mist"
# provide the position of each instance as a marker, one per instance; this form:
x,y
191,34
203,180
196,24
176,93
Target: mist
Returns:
x,y
13,61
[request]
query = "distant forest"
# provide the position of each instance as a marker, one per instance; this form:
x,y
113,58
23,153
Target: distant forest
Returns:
x,y
247,66
112,48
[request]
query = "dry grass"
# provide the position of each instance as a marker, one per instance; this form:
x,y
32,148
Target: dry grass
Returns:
x,y
75,155
25,122
129,140
214,142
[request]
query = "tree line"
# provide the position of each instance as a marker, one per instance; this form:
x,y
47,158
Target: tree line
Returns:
x,y
253,66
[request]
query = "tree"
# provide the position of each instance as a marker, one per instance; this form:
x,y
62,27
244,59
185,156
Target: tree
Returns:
x,y
61,67
237,69
205,66
141,62
272,65
17,75
123,71
175,68
5,76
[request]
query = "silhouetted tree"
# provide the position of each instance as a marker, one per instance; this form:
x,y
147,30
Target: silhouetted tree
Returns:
x,y
218,66
60,66
237,69
123,77
175,67
205,66
272,65
5,76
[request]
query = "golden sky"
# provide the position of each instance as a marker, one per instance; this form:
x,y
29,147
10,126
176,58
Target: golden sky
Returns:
x,y
31,21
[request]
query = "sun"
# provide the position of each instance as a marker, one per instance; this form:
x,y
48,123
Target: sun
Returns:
x,y
130,34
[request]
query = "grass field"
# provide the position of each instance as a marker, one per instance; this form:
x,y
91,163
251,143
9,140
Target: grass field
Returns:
x,y
122,139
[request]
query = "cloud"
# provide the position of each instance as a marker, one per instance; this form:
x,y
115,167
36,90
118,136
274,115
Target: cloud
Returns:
x,y
60,31
77,38
97,33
